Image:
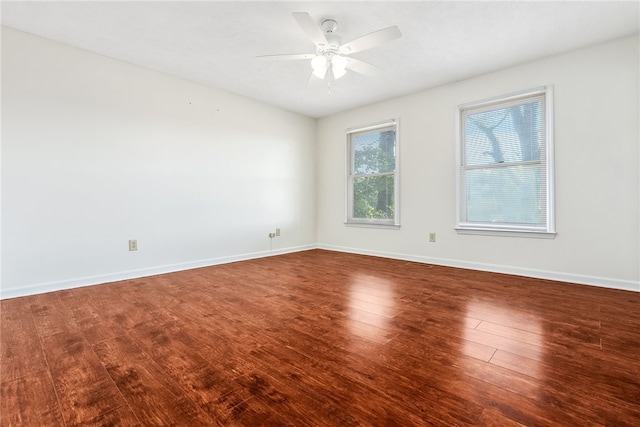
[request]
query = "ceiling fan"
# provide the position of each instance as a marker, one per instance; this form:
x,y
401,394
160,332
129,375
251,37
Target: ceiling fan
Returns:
x,y
331,58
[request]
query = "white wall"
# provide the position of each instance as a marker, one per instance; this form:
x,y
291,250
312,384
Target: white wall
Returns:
x,y
96,152
597,183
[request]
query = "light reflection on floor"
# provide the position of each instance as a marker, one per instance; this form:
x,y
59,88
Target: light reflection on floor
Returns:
x,y
516,335
371,304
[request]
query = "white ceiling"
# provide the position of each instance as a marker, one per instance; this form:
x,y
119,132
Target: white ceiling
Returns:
x,y
215,43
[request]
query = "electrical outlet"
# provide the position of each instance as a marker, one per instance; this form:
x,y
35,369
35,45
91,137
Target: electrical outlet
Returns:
x,y
432,237
277,231
133,245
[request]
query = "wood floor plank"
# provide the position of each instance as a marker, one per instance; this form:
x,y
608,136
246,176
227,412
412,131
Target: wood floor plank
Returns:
x,y
89,312
50,317
477,351
30,401
297,402
521,364
253,412
510,345
121,416
85,390
157,399
336,398
355,361
535,339
208,383
321,338
493,418
583,401
591,337
21,351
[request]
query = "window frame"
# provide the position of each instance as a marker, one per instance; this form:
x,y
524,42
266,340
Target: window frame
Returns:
x,y
504,229
350,220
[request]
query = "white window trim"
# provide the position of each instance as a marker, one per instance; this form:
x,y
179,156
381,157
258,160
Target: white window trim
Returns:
x,y
504,230
393,223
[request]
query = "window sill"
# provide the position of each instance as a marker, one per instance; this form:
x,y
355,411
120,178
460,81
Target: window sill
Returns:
x,y
372,225
507,233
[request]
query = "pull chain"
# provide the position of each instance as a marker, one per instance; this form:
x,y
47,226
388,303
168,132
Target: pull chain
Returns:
x,y
330,74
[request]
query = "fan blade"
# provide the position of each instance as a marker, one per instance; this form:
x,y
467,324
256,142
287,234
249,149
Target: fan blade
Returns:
x,y
362,67
310,28
371,40
287,56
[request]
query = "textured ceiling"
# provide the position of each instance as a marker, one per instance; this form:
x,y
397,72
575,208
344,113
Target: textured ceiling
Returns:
x,y
215,43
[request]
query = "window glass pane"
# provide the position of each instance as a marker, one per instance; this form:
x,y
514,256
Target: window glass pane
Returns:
x,y
374,152
373,197
507,195
506,134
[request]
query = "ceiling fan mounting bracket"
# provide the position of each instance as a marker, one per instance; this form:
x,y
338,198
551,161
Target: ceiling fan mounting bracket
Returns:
x,y
329,26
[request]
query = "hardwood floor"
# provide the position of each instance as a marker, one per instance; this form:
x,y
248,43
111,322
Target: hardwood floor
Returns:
x,y
320,338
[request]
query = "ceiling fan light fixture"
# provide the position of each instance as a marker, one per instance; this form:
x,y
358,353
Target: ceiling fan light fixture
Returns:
x,y
319,65
338,66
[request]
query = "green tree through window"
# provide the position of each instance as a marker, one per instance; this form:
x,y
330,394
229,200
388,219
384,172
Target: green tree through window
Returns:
x,y
372,176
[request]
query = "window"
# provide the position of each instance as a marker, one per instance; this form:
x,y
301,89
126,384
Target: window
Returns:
x,y
372,177
505,169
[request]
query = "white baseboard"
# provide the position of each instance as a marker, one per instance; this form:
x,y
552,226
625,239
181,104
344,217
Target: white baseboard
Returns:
x,y
138,273
604,282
